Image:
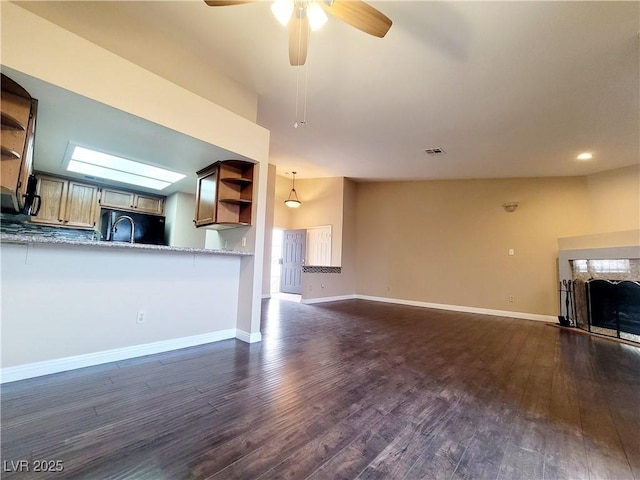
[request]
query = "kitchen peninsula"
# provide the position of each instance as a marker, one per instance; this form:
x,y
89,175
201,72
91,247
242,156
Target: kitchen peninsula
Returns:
x,y
85,302
38,239
67,306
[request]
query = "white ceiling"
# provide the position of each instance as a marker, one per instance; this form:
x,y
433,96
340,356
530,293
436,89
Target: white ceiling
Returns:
x,y
507,89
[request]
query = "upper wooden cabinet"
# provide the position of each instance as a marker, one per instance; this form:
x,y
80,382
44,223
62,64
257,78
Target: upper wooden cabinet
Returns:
x,y
69,203
224,194
66,203
135,202
18,119
148,204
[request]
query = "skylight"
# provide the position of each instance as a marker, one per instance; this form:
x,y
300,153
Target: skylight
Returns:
x,y
110,167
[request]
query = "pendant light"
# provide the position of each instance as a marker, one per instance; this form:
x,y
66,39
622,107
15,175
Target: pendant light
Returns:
x,y
292,201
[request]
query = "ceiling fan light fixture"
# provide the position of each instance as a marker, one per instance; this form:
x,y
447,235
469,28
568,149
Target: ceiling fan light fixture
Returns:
x,y
315,14
292,201
302,15
282,10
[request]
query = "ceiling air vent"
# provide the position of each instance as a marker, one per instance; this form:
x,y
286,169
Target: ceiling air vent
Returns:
x,y
434,151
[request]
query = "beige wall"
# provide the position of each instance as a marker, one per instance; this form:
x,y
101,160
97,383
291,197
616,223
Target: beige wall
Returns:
x,y
180,231
614,199
321,285
349,236
325,201
281,213
268,227
167,59
447,242
322,204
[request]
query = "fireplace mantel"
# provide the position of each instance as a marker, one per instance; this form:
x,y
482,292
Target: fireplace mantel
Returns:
x,y
601,246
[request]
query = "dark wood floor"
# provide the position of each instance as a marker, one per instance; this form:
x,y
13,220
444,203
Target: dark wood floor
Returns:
x,y
344,390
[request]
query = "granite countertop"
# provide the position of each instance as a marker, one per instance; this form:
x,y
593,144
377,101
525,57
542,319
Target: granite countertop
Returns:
x,y
35,239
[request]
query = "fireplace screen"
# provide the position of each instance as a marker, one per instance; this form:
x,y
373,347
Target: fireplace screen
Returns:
x,y
614,308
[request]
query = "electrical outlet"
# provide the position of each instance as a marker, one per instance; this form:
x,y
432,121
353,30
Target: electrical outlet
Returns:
x,y
141,317
512,299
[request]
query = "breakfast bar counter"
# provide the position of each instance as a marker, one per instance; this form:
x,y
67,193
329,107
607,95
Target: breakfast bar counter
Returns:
x,y
7,238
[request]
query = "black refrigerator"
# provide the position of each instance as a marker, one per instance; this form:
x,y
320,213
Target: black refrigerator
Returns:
x,y
148,228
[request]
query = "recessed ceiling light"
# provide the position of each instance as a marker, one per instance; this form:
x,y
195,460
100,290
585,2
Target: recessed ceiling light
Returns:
x,y
585,156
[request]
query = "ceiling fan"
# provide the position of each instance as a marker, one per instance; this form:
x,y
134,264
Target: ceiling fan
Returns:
x,y
303,14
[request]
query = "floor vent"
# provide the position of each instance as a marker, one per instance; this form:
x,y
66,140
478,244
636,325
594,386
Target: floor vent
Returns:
x,y
434,151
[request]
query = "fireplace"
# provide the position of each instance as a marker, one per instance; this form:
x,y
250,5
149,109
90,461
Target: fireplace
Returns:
x,y
604,273
606,296
613,308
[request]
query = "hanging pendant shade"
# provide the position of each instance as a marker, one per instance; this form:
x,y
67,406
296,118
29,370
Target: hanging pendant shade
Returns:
x,y
292,201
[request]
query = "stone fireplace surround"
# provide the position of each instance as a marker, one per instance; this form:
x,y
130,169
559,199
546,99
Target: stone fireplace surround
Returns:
x,y
611,256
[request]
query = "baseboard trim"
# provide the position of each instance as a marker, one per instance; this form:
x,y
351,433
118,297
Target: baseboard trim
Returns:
x,y
310,301
460,308
37,369
248,337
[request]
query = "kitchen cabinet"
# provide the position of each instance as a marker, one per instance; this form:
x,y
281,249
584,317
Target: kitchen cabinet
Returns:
x,y
135,202
18,118
224,195
66,203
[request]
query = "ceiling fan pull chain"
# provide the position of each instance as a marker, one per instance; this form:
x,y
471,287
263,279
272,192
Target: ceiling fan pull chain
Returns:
x,y
306,42
304,105
295,124
304,96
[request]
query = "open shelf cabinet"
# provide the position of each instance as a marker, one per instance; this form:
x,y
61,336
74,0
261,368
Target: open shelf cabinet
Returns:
x,y
224,197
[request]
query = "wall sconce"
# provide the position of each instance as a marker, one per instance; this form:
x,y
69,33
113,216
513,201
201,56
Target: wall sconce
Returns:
x,y
510,206
292,201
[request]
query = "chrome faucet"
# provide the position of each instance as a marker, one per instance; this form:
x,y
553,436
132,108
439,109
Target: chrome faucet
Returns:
x,y
115,225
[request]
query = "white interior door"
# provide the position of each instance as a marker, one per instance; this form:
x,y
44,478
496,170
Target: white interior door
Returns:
x,y
293,252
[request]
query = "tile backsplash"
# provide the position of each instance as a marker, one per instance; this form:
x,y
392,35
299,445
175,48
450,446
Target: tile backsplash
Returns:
x,y
315,269
9,224
610,269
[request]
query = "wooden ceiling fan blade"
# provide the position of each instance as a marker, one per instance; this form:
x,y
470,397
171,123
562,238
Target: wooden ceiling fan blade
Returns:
x,y
360,15
224,3
298,38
